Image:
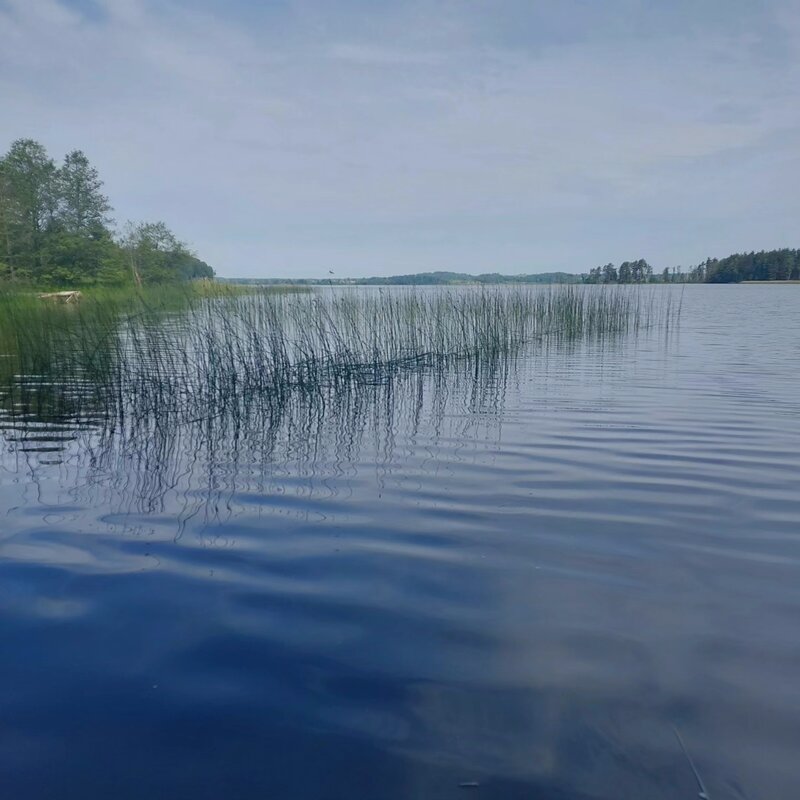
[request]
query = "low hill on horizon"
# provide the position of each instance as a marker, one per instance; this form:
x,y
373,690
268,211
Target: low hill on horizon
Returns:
x,y
780,265
439,278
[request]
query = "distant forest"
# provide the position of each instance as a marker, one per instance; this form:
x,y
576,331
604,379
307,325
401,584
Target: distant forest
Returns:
x,y
56,228
772,265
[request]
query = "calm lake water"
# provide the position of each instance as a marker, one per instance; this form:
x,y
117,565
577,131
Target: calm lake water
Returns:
x,y
525,580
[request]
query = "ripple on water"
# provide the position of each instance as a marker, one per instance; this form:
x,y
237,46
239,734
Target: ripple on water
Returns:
x,y
523,585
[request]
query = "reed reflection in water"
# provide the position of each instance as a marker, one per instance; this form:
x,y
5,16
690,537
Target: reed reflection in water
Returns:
x,y
226,380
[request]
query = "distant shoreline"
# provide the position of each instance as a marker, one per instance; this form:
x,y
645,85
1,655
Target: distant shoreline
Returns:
x,y
419,279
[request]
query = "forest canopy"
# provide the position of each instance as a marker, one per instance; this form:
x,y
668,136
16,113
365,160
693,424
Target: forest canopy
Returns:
x,y
767,265
56,228
772,265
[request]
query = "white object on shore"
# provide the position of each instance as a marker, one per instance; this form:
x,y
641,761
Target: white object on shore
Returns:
x,y
61,297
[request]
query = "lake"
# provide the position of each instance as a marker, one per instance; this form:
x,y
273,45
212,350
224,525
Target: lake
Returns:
x,y
512,581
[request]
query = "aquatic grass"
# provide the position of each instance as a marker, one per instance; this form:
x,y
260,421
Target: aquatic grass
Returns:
x,y
204,353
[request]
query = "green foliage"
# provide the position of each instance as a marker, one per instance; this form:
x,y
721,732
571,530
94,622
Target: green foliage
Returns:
x,y
629,272
27,204
154,255
83,208
772,265
74,259
55,229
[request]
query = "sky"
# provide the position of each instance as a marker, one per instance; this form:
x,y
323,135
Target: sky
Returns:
x,y
287,138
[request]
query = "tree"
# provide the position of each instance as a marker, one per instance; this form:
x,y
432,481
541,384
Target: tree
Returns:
x,y
595,275
6,204
641,271
763,266
155,255
74,259
29,204
609,274
82,207
665,276
625,275
54,227
78,247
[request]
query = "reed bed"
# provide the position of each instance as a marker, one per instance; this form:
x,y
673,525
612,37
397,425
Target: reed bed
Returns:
x,y
158,354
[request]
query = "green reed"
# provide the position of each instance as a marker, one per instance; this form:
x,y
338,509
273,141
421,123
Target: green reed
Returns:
x,y
203,352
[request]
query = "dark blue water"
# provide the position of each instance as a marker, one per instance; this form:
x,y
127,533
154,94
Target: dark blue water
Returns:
x,y
524,580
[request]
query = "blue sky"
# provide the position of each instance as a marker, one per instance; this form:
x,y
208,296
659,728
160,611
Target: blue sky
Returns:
x,y
291,137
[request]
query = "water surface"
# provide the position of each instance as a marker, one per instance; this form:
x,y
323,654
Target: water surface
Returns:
x,y
523,578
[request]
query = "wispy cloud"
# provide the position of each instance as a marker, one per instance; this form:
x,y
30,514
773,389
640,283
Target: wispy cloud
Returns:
x,y
364,54
421,135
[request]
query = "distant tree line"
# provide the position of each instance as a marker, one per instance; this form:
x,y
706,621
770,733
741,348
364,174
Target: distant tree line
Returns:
x,y
440,278
629,272
450,278
772,265
56,228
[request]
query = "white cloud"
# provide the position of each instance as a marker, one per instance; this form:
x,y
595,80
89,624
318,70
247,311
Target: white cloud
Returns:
x,y
281,145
